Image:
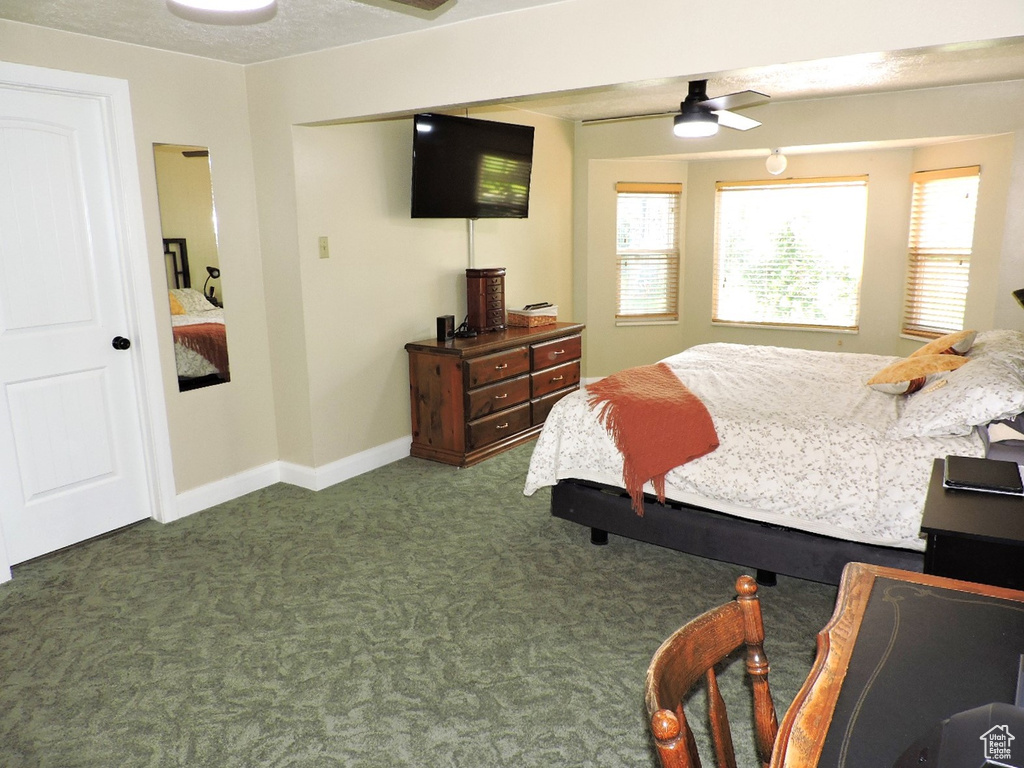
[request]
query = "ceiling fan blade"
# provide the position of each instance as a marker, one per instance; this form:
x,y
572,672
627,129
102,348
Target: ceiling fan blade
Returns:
x,y
732,120
738,100
627,117
426,5
697,101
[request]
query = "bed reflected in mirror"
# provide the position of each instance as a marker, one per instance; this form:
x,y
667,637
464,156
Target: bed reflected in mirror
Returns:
x,y
188,220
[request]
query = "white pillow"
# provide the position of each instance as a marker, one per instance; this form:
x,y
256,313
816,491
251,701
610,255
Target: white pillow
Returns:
x,y
191,300
991,387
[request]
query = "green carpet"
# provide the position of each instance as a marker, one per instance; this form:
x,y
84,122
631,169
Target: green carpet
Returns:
x,y
418,615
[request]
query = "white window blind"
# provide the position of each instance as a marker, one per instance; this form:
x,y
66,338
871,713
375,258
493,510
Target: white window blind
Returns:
x,y
790,252
939,250
647,251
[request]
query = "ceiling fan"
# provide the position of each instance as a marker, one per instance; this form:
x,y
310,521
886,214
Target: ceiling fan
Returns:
x,y
700,116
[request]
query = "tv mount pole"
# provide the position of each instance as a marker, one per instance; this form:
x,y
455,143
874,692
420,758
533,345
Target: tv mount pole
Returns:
x,y
472,244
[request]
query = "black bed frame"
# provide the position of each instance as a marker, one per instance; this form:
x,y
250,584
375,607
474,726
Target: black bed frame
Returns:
x,y
769,549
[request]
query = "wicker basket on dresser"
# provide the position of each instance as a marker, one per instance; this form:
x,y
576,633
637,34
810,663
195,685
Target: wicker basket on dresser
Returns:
x,y
474,398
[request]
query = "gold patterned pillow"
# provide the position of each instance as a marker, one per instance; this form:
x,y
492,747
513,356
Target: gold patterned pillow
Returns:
x,y
958,343
909,374
176,308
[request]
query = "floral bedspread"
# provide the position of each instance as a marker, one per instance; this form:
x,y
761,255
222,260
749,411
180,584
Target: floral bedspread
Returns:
x,y
803,444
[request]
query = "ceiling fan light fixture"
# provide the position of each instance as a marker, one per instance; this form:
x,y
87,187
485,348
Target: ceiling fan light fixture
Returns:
x,y
224,11
776,162
695,124
225,6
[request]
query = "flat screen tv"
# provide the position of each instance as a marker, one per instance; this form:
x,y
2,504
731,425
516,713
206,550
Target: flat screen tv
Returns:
x,y
463,168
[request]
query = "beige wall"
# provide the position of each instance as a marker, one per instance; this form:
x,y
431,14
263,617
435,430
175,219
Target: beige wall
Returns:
x,y
217,431
542,50
389,276
887,138
251,119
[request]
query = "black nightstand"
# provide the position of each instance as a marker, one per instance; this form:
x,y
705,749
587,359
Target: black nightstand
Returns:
x,y
972,535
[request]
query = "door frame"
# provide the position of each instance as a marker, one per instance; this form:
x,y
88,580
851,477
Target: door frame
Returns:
x,y
136,278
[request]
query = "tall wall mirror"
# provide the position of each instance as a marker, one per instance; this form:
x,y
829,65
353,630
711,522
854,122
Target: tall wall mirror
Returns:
x,y
188,220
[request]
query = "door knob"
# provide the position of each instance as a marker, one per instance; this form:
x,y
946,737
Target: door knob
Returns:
x,y
120,342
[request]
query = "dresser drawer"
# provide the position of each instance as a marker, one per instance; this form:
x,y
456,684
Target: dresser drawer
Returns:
x,y
502,365
497,426
555,352
496,397
541,407
550,379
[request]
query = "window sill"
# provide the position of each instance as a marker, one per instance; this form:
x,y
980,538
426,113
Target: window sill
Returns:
x,y
771,327
642,321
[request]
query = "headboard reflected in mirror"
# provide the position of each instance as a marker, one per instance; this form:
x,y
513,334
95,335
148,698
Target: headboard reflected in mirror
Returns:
x,y
176,263
188,220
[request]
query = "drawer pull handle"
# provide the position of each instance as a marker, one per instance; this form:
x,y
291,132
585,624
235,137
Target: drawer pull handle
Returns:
x,y
502,426
501,367
558,352
501,397
557,378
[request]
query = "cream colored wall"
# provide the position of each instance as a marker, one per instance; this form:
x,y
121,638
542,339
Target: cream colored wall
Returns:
x,y
389,276
919,117
542,50
249,117
223,430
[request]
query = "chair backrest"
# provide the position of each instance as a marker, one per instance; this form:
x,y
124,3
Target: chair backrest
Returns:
x,y
690,654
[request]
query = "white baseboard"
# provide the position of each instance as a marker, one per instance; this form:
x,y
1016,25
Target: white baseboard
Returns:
x,y
316,479
209,495
312,478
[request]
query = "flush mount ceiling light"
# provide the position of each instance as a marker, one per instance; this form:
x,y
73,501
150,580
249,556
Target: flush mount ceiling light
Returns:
x,y
776,162
224,11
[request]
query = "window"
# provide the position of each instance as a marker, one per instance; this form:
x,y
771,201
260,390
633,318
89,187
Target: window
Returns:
x,y
647,252
790,252
939,250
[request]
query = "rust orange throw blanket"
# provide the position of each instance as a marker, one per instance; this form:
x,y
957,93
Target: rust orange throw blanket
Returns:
x,y
656,422
209,340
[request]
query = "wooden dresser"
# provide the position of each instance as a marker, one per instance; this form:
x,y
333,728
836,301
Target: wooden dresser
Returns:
x,y
474,398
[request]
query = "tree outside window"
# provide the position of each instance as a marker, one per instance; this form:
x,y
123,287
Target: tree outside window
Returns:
x,y
790,252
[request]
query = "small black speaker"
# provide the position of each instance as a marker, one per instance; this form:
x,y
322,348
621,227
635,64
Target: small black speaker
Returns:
x,y
445,327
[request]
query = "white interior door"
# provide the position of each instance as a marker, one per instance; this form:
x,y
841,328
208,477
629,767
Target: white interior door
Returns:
x,y
72,463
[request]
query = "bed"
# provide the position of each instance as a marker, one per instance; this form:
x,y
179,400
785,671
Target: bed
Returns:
x,y
200,338
814,467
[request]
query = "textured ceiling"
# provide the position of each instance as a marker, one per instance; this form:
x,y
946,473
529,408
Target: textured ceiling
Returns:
x,y
299,26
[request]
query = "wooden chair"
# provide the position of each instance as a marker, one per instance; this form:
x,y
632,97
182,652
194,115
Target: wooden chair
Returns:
x,y
692,653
